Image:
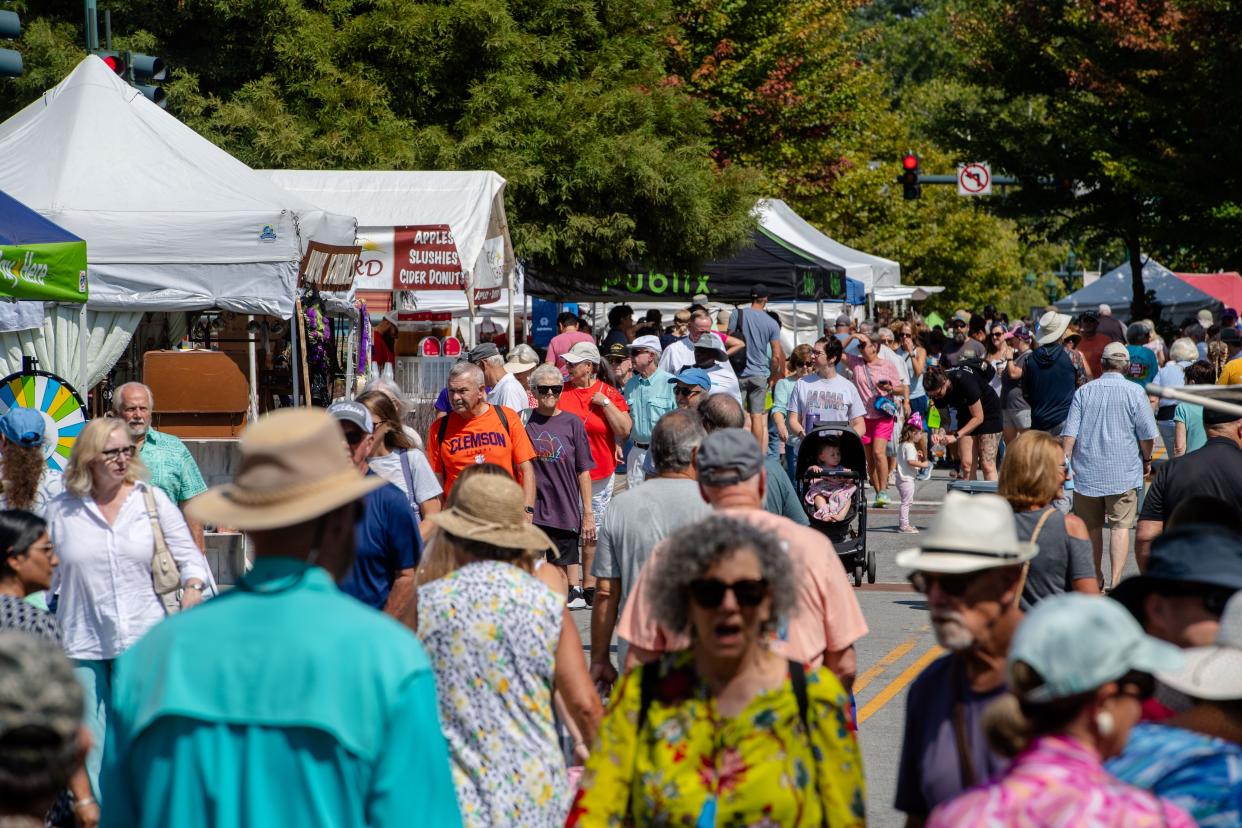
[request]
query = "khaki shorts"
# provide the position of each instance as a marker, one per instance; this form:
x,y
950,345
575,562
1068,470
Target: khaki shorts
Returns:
x,y
1119,509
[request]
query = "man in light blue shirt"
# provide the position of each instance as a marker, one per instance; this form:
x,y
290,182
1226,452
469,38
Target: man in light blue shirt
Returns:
x,y
284,701
1109,435
650,396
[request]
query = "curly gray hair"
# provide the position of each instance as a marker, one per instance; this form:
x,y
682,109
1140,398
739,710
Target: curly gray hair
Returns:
x,y
694,549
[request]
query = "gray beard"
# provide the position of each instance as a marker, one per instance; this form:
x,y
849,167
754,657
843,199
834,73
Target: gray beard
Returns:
x,y
951,633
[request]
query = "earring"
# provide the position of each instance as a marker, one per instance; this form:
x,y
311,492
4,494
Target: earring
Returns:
x,y
1104,723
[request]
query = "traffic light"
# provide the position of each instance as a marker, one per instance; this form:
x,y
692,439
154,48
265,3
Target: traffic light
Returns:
x,y
909,177
114,61
147,67
153,94
10,59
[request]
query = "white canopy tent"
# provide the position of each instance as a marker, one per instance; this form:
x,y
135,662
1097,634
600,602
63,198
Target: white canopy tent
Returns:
x,y
469,203
171,222
873,271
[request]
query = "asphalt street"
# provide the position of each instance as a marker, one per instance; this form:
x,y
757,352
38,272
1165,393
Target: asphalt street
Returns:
x,y
895,650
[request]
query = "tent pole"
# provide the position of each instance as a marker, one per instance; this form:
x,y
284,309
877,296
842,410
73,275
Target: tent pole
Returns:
x,y
83,342
254,372
351,345
294,359
819,317
512,337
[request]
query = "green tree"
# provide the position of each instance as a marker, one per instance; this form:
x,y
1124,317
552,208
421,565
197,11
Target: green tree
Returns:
x,y
606,163
1114,115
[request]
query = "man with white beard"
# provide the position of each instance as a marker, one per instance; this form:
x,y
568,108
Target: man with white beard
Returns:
x,y
972,567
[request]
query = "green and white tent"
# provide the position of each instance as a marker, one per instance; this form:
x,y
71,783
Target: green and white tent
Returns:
x,y
39,259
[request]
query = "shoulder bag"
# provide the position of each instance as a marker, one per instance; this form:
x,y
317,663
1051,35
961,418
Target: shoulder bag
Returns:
x,y
884,403
165,576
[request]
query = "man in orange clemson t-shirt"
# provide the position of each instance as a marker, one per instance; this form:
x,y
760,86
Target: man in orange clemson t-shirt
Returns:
x,y
477,432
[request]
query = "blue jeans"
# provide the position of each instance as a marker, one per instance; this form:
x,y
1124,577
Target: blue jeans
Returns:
x,y
919,405
96,680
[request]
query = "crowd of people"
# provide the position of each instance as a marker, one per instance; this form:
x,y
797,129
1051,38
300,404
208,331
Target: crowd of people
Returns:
x,y
403,647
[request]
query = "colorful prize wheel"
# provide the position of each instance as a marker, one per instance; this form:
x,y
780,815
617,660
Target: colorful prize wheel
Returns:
x,y
63,411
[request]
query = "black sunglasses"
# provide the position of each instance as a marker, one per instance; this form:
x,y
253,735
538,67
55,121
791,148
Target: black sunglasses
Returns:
x,y
540,390
708,593
955,586
687,390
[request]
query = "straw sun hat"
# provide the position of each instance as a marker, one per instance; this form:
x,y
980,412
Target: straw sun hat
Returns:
x,y
491,509
294,467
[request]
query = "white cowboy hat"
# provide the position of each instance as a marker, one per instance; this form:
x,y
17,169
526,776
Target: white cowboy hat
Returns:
x,y
969,533
1052,327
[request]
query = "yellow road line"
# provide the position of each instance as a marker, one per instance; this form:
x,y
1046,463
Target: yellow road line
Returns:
x,y
890,690
897,653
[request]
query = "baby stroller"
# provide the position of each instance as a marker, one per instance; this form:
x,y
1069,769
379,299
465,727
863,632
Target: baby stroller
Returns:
x,y
848,535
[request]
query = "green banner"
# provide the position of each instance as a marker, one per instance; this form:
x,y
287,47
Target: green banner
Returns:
x,y
53,272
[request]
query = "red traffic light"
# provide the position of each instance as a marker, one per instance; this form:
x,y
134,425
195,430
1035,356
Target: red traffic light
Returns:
x,y
910,161
114,62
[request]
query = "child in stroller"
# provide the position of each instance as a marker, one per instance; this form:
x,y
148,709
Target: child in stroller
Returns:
x,y
831,496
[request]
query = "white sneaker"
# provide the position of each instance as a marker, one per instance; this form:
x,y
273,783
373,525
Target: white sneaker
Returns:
x,y
576,599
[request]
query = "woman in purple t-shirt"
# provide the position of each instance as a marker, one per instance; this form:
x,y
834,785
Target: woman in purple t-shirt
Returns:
x,y
562,473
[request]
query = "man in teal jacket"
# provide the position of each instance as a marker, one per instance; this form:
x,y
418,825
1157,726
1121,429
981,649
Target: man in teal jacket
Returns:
x,y
284,701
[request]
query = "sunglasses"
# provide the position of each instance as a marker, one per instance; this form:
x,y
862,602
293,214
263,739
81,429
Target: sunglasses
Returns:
x,y
997,335
708,593
617,360
687,390
116,453
353,438
544,390
955,586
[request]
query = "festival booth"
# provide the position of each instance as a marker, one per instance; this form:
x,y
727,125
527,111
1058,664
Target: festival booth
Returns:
x,y
1177,298
184,243
435,249
173,223
1225,287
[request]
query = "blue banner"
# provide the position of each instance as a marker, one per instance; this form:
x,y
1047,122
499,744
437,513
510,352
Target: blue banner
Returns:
x,y
543,321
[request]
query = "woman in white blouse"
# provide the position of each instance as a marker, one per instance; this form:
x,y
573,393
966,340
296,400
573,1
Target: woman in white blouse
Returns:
x,y
106,599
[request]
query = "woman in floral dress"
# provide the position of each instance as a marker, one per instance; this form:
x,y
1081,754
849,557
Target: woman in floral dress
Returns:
x,y
497,639
726,733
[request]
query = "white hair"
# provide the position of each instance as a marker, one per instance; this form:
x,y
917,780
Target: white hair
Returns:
x,y
120,392
468,370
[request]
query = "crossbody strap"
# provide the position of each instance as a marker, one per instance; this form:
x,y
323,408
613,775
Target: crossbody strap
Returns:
x,y
1039,525
153,516
965,759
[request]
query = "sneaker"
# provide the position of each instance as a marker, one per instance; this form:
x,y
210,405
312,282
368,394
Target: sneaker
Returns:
x,y
576,599
881,500
907,530
588,595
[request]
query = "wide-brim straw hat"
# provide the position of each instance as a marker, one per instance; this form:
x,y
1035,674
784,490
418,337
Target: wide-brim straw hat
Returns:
x,y
294,467
491,509
970,533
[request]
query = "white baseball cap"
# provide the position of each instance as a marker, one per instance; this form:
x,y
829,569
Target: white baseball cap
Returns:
x,y
647,343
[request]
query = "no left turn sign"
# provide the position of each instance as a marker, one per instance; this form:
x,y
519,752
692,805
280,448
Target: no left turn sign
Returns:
x,y
974,179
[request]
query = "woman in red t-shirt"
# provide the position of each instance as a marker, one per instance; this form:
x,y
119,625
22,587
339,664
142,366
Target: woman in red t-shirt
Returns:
x,y
606,416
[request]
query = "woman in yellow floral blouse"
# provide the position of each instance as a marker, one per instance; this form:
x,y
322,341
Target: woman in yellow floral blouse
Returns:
x,y
726,733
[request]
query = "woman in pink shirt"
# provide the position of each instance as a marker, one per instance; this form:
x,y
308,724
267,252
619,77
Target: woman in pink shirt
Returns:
x,y
876,377
1079,669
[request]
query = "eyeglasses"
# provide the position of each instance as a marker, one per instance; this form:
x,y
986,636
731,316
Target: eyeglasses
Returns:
x,y
955,586
998,335
819,352
687,390
708,593
544,390
111,455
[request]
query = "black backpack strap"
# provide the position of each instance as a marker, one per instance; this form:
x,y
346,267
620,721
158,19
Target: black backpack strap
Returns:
x,y
649,675
443,430
504,421
797,681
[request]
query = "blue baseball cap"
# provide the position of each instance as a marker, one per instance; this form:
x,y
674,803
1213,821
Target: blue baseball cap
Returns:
x,y
23,426
694,376
1078,643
